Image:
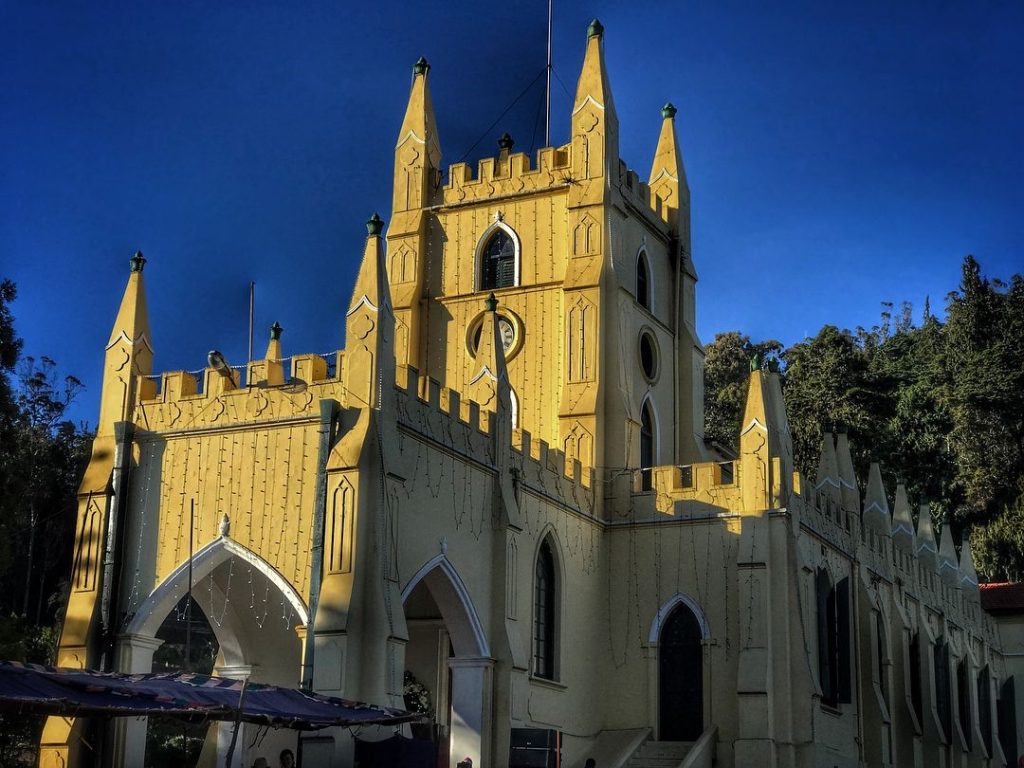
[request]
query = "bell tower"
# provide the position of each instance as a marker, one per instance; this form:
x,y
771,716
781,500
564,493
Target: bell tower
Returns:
x,y
591,269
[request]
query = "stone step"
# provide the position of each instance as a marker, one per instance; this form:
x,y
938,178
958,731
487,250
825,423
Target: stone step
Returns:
x,y
660,754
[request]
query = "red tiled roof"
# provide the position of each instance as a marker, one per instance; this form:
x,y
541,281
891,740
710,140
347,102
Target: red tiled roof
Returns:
x,y
1003,596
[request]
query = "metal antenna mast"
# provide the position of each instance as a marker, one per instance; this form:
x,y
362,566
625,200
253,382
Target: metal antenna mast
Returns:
x,y
547,95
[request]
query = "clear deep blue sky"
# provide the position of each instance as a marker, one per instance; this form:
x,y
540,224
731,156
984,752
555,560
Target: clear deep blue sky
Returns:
x,y
839,154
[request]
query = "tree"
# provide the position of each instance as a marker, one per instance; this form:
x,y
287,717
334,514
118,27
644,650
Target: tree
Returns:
x,y
827,387
726,369
41,460
985,346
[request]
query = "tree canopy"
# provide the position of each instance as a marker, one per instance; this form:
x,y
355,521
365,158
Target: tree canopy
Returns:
x,y
938,404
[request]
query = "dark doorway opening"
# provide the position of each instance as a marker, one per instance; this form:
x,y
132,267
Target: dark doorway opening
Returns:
x,y
680,677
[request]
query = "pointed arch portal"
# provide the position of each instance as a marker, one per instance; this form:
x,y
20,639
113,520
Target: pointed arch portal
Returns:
x,y
449,654
254,613
681,630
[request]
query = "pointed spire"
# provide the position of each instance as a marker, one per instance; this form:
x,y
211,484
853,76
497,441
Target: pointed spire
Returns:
x,y
903,522
927,551
129,352
968,574
418,149
847,476
876,505
369,367
949,568
667,182
766,452
827,480
489,386
595,126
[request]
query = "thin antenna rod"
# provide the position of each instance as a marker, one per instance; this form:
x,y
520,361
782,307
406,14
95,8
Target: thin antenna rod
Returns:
x,y
547,93
252,313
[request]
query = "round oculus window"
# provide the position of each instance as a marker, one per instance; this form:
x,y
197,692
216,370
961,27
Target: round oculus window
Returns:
x,y
507,328
648,355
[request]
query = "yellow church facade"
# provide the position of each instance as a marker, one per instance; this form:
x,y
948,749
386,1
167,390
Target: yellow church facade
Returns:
x,y
500,486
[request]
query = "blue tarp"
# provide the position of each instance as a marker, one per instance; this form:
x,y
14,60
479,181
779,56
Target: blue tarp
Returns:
x,y
35,689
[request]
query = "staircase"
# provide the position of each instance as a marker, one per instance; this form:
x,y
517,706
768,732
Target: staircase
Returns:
x,y
660,754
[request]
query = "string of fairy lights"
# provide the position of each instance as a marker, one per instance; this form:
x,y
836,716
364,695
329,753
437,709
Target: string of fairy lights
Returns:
x,y
579,537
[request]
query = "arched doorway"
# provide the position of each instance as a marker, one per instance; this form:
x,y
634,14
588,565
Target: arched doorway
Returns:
x,y
448,656
680,676
253,613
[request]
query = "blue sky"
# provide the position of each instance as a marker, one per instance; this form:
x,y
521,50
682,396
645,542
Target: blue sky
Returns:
x,y
839,155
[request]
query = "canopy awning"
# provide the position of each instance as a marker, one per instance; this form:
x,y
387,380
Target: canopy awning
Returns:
x,y
35,689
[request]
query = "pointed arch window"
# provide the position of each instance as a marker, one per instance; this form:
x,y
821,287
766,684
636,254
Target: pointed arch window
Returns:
x,y
646,446
544,601
498,261
643,280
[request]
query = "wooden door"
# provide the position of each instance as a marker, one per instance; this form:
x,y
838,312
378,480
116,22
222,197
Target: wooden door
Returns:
x,y
680,678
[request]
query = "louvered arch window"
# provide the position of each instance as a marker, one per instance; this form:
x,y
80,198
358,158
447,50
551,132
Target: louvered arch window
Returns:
x,y
545,597
498,262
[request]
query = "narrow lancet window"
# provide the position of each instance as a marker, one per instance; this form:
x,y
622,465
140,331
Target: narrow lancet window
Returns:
x,y
643,281
544,614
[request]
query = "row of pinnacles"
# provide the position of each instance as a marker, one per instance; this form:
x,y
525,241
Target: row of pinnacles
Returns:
x,y
365,374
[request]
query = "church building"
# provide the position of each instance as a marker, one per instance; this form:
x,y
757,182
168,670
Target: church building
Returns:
x,y
499,492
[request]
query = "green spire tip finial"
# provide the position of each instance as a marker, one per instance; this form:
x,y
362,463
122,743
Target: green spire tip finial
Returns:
x,y
275,331
375,224
595,29
421,67
505,142
669,111
491,303
137,261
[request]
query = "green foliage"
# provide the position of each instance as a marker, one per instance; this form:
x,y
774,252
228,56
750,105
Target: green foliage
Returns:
x,y
41,460
997,547
938,405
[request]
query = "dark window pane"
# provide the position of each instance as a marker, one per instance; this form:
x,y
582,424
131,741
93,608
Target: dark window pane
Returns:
x,y
915,676
643,291
985,708
498,267
963,699
646,447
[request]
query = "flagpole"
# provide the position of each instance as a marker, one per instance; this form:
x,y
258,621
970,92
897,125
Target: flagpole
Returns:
x,y
252,313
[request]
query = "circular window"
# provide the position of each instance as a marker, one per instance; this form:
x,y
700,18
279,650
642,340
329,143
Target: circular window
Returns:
x,y
511,338
648,355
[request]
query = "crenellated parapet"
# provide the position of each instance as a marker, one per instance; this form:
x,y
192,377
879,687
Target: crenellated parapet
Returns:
x,y
442,416
505,176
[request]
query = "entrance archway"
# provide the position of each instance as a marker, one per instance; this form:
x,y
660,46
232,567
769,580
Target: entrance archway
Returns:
x,y
448,654
254,613
680,673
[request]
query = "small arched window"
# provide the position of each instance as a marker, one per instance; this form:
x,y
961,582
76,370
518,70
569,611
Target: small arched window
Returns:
x,y
544,597
498,262
643,281
646,446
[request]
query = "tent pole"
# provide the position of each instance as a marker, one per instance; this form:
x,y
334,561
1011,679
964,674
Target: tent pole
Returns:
x,y
238,722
